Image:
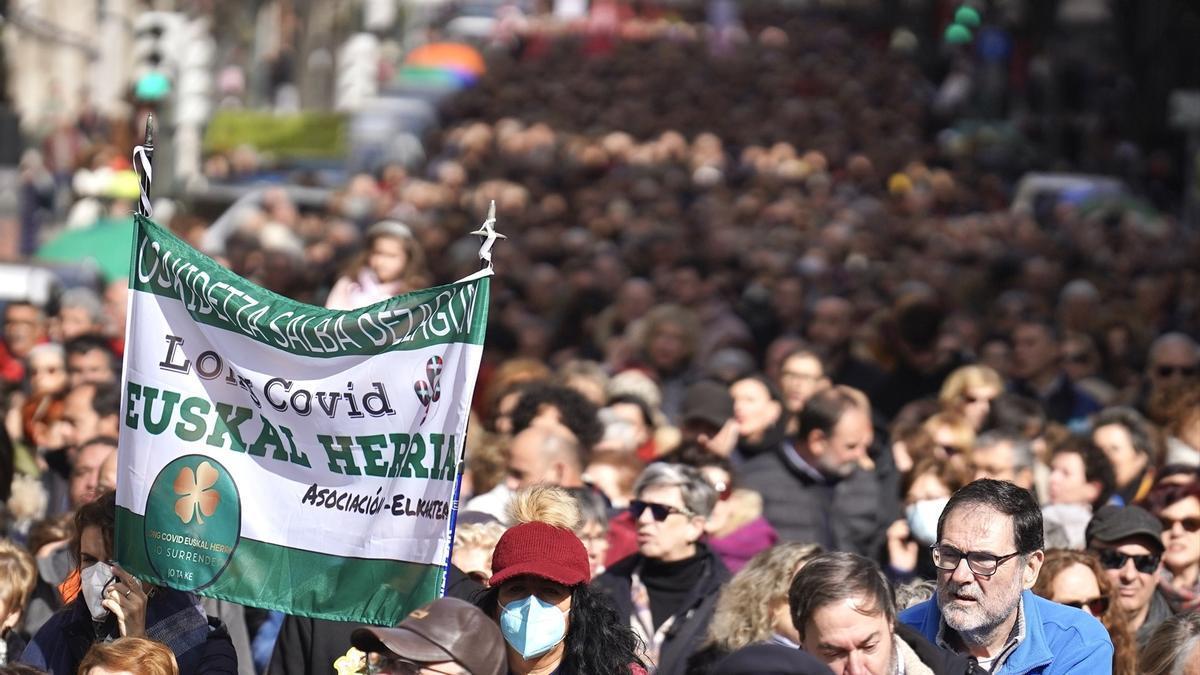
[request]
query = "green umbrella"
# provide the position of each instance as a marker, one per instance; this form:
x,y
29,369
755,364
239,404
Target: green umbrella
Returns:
x,y
108,245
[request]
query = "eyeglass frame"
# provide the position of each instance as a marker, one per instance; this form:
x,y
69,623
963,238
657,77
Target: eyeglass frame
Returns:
x,y
966,555
638,506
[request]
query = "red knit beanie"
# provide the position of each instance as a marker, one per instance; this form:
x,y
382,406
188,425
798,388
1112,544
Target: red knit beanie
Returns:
x,y
541,550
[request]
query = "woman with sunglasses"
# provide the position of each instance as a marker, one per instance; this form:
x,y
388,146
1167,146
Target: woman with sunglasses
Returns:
x,y
970,390
668,589
1177,507
552,621
1076,579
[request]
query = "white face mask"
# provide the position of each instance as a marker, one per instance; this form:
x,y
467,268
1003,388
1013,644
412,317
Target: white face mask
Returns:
x,y
923,518
92,581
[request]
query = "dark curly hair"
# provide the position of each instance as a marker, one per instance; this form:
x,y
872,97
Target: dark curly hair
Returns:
x,y
599,641
576,412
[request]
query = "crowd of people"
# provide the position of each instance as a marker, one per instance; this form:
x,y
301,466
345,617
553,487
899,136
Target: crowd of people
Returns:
x,y
772,383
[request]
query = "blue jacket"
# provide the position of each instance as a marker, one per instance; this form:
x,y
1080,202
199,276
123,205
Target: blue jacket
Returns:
x,y
1058,639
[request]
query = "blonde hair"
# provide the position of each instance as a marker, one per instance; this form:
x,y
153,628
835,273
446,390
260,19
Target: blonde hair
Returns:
x,y
477,535
18,576
743,612
545,504
960,427
963,379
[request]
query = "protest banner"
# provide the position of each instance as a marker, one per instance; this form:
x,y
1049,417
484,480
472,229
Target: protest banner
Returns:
x,y
285,456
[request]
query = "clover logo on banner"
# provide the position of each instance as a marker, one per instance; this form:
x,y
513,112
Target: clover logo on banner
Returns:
x,y
430,391
198,495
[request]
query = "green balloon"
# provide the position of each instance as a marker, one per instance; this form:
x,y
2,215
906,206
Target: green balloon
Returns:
x,y
152,87
967,16
958,35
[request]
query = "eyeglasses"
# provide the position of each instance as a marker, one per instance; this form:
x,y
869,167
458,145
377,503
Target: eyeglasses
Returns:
x,y
1168,371
395,665
1115,560
982,564
1097,606
658,511
1190,524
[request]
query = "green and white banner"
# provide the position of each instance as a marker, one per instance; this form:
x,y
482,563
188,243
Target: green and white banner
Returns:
x,y
285,456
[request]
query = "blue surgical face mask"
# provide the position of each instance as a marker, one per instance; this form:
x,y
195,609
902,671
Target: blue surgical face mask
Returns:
x,y
532,627
923,519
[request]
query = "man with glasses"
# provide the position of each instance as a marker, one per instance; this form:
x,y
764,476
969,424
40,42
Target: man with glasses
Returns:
x,y
988,555
669,588
1128,541
446,637
1173,358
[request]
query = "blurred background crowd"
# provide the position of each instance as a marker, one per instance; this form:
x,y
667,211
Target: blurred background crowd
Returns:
x,y
839,257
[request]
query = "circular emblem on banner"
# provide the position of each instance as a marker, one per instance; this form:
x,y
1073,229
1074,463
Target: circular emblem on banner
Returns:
x,y
193,521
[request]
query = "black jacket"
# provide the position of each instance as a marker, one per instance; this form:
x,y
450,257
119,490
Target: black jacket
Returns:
x,y
688,631
850,514
940,661
310,646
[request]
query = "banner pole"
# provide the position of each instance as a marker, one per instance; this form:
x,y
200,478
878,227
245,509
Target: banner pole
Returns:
x,y
143,158
488,233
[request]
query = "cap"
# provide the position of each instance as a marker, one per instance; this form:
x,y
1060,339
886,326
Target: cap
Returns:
x,y
541,550
707,401
770,659
1111,524
448,629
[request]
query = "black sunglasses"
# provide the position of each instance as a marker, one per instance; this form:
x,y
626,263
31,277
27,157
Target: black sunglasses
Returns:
x,y
1168,371
1115,560
659,512
1097,606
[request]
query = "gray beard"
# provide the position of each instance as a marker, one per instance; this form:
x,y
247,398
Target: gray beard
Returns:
x,y
986,634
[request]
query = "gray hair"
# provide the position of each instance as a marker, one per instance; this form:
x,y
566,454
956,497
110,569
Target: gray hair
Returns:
x,y
699,496
47,348
1022,449
1171,645
85,299
592,508
914,593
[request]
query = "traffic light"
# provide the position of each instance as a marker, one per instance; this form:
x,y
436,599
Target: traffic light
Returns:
x,y
194,79
155,34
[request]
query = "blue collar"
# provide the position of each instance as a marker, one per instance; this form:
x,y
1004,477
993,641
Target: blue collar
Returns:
x,y
1029,654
